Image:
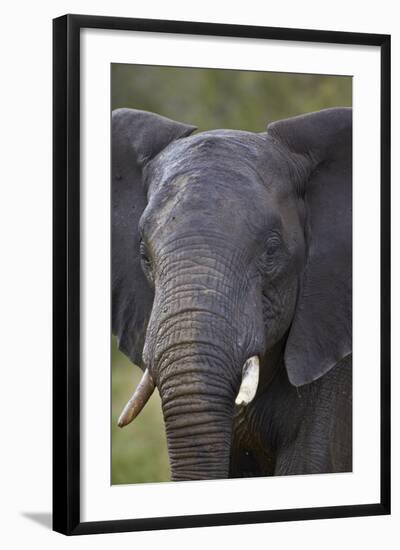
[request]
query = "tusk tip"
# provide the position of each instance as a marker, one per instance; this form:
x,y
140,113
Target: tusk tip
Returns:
x,y
121,422
125,418
241,401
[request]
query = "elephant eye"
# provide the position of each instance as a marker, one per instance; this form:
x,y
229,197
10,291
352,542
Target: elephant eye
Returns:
x,y
145,260
273,245
143,252
144,255
270,259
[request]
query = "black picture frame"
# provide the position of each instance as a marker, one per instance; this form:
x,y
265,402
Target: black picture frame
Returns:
x,y
66,273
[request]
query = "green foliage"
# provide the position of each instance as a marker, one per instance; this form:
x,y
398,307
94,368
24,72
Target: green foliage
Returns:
x,y
209,99
215,98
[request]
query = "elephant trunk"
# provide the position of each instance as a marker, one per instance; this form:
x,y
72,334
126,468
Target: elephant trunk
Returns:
x,y
195,361
198,396
198,426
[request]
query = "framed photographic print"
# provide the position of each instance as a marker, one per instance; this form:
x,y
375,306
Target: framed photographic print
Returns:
x,y
221,274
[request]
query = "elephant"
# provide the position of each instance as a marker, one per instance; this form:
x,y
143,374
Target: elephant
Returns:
x,y
232,289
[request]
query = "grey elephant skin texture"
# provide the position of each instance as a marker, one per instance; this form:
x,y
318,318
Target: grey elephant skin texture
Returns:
x,y
227,245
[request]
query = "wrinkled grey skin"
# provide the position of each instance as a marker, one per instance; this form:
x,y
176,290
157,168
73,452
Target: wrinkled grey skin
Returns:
x,y
229,244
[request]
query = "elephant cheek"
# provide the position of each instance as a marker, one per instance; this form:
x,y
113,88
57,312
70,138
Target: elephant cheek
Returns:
x,y
278,305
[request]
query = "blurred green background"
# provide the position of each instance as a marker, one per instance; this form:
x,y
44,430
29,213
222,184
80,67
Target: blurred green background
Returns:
x,y
139,451
209,99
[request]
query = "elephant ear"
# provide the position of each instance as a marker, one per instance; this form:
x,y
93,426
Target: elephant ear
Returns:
x,y
321,331
137,137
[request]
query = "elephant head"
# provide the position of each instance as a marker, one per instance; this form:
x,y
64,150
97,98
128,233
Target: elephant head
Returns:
x,y
231,252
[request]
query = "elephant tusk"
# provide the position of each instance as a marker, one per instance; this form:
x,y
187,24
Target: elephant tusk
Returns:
x,y
248,387
138,400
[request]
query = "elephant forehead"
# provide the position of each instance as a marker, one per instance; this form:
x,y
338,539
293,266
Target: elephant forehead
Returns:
x,y
220,159
207,154
209,195
218,178
218,209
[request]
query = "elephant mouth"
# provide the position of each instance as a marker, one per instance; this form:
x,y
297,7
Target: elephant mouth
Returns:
x,y
146,387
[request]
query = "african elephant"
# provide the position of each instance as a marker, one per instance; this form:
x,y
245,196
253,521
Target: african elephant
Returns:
x,y
231,289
